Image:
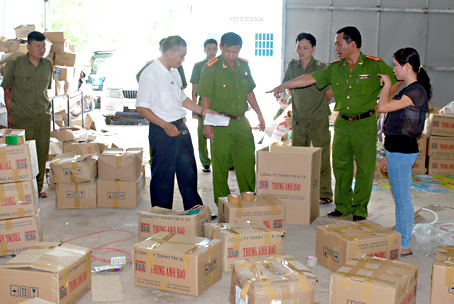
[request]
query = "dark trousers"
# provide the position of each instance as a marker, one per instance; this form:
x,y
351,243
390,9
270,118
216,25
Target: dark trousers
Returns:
x,y
172,155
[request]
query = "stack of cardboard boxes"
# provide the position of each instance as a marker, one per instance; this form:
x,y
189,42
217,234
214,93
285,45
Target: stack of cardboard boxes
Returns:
x,y
19,204
15,47
440,129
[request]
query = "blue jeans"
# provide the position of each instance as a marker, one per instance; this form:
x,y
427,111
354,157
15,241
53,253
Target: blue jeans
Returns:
x,y
399,172
172,155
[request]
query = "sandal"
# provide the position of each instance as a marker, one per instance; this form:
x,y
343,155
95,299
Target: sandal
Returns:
x,y
325,201
42,194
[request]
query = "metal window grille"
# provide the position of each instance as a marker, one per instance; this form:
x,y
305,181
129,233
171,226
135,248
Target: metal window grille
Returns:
x,y
264,44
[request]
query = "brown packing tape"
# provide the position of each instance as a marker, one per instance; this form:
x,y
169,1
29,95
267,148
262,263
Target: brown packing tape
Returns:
x,y
3,157
16,175
3,248
88,263
268,237
158,243
236,235
272,204
75,297
233,198
77,199
118,160
8,225
117,187
20,191
248,196
269,290
2,193
163,286
20,212
239,208
73,170
449,273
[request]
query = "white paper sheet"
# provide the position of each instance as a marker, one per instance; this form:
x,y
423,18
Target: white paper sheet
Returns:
x,y
216,120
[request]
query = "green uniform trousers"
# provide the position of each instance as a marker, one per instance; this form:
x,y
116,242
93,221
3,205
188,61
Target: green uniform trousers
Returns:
x,y
202,143
316,131
236,141
37,128
354,140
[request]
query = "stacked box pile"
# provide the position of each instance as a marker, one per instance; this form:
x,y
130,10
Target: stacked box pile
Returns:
x,y
58,273
248,207
443,276
119,178
75,176
274,279
177,263
440,129
20,218
244,241
366,279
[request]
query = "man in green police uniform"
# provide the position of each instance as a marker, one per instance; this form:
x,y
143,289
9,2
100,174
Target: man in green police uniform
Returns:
x,y
210,47
226,86
310,123
25,82
356,87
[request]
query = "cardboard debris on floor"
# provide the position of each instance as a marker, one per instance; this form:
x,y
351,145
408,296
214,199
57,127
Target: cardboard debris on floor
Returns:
x,y
337,243
366,279
443,276
59,273
269,280
177,263
159,219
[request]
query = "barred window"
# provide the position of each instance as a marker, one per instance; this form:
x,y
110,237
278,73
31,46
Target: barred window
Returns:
x,y
264,44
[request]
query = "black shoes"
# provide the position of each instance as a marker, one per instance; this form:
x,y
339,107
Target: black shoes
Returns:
x,y
232,169
206,169
213,216
335,213
358,218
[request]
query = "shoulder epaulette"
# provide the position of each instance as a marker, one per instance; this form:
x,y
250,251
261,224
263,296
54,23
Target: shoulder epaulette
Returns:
x,y
293,60
334,61
373,58
212,62
198,63
242,59
15,58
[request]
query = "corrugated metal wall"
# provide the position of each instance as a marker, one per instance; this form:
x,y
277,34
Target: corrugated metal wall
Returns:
x,y
385,26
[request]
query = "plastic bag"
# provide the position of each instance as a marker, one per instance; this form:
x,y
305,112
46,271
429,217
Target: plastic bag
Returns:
x,y
447,109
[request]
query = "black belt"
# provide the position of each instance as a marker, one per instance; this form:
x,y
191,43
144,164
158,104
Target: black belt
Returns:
x,y
358,117
181,120
233,116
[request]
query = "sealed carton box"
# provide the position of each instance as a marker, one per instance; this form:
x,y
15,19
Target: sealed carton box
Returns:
x,y
177,263
18,200
294,180
83,148
159,219
337,243
366,279
19,134
60,46
18,163
266,208
9,46
422,144
70,134
443,276
55,148
23,30
118,164
440,166
17,235
119,194
65,59
55,272
273,279
441,146
55,36
440,125
76,195
244,242
66,73
74,169
419,168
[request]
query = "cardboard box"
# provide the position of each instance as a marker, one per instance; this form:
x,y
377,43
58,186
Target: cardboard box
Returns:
x,y
8,56
95,120
65,59
440,125
19,234
55,148
9,46
367,279
271,280
19,133
440,166
36,301
443,276
60,46
66,73
441,146
419,168
337,243
422,144
144,177
55,272
55,36
119,194
59,86
294,180
70,134
159,219
240,243
122,165
23,30
266,208
83,148
18,163
18,200
75,169
76,195
177,263
51,183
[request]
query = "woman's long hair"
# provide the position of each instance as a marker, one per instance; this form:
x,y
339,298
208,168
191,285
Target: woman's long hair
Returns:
x,y
411,56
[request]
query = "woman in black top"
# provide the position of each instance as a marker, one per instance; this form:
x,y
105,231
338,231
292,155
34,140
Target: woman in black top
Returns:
x,y
404,124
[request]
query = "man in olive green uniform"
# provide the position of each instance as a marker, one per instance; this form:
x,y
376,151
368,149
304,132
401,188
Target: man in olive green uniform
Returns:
x,y
310,122
226,86
25,82
210,47
355,86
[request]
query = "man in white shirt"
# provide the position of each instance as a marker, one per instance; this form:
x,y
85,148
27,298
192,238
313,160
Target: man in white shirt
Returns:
x,y
160,100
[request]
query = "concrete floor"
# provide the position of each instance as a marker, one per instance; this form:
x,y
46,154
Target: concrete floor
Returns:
x,y
61,225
